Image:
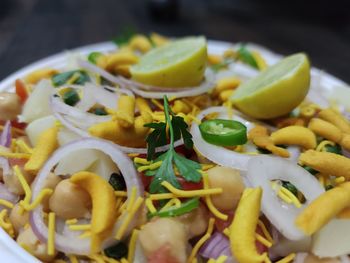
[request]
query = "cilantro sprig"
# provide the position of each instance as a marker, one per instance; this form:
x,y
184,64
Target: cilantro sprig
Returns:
x,y
188,169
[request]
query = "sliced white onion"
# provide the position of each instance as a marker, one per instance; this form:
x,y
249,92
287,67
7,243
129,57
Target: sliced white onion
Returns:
x,y
70,245
300,258
4,191
344,259
153,92
217,154
294,152
262,170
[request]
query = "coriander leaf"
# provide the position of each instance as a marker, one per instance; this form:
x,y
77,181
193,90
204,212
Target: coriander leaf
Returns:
x,y
62,78
180,129
156,138
188,168
247,57
185,208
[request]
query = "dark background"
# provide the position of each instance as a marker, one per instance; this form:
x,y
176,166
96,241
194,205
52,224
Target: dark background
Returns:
x,y
33,29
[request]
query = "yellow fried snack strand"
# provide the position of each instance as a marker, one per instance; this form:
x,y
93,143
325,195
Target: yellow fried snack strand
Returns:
x,y
327,163
40,74
47,144
140,43
113,131
158,40
335,118
259,136
325,129
243,227
126,111
314,216
295,135
104,213
120,58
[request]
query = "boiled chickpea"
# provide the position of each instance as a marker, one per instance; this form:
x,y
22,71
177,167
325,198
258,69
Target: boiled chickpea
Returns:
x,y
231,183
310,258
70,201
51,182
164,232
13,184
196,222
17,218
10,106
30,241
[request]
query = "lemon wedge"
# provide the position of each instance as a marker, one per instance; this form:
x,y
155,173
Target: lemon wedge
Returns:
x,y
181,63
277,90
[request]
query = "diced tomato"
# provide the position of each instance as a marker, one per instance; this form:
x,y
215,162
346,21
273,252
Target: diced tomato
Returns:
x,y
189,185
188,153
222,224
146,180
17,161
19,125
21,90
162,255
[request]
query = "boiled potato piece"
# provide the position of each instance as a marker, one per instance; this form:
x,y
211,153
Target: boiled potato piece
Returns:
x,y
37,127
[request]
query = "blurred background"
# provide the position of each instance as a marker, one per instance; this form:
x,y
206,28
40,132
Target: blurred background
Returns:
x,y
33,29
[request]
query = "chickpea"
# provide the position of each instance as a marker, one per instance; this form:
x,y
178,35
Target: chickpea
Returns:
x,y
196,222
310,258
18,219
70,201
13,184
231,183
164,232
38,249
10,106
51,182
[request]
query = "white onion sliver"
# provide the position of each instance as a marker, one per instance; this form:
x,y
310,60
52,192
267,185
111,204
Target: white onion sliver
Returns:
x,y
214,153
76,245
300,257
262,170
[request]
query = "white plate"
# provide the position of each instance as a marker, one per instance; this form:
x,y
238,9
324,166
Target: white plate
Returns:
x,y
328,86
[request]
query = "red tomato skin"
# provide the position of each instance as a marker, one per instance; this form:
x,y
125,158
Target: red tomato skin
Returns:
x,y
162,255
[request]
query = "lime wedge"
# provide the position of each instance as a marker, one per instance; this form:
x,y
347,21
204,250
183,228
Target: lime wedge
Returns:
x,y
180,63
277,90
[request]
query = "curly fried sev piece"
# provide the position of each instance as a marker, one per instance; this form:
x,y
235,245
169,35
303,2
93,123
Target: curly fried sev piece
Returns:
x,y
243,227
295,135
260,137
47,144
40,74
325,129
335,118
315,216
326,163
126,111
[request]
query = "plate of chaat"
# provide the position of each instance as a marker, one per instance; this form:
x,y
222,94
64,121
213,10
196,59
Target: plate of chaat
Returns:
x,y
154,149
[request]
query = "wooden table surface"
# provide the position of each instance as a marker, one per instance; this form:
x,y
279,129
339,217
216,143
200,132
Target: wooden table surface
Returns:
x,y
33,29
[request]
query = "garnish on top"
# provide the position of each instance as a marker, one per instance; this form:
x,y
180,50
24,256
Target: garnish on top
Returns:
x,y
171,160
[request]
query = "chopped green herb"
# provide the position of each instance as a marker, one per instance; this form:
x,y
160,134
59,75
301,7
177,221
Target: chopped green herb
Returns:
x,y
125,36
62,78
334,149
100,111
117,182
185,208
247,57
187,168
222,65
329,187
93,56
117,251
310,170
290,187
71,97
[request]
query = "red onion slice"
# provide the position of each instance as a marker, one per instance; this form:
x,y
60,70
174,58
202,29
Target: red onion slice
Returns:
x,y
5,137
262,170
216,246
70,245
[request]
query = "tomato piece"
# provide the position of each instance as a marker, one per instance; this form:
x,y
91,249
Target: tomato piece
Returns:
x,y
222,224
21,90
185,185
19,125
17,161
162,255
146,180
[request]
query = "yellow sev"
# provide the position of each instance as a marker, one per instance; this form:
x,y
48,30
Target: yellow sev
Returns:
x,y
208,201
287,259
191,193
132,245
6,203
201,241
24,184
51,234
243,227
